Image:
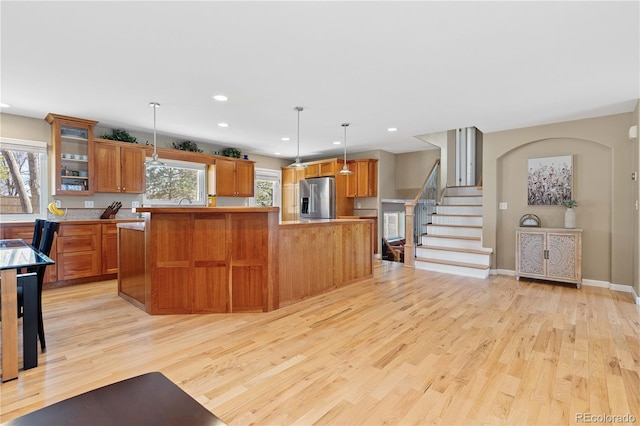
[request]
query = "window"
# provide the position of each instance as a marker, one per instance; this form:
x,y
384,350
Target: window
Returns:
x,y
176,181
23,179
393,224
267,188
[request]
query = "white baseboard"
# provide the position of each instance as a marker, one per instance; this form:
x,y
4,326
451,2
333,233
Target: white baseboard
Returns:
x,y
591,283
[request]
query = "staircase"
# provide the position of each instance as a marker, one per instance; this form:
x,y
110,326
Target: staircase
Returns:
x,y
453,242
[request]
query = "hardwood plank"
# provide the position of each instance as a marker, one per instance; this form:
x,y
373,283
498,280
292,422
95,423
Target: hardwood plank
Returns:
x,y
403,347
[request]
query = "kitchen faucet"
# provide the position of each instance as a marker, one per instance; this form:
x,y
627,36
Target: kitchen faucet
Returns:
x,y
184,198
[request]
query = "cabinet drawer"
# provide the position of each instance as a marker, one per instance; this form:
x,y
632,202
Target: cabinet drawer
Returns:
x,y
67,230
109,228
77,243
78,265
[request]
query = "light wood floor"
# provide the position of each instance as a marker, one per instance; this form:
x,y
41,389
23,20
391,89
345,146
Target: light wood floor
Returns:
x,y
407,347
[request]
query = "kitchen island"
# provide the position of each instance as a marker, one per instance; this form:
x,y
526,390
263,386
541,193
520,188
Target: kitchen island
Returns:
x,y
236,259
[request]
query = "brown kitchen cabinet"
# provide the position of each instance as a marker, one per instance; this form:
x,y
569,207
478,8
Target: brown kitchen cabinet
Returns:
x,y
363,182
72,155
234,178
121,167
291,177
109,249
323,168
78,250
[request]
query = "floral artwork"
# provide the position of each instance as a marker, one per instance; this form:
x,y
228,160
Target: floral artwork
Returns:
x,y
550,180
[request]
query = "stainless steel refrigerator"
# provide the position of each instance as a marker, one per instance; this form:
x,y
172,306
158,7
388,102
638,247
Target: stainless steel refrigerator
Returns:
x,y
317,198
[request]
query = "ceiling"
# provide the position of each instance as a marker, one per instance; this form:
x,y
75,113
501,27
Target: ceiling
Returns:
x,y
420,66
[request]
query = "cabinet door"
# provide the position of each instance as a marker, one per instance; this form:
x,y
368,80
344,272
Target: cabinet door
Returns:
x,y
109,250
245,181
225,177
80,264
107,162
133,179
352,179
72,143
563,258
366,176
328,168
530,254
312,170
290,209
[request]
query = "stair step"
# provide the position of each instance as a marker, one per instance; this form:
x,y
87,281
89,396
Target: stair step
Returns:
x,y
453,237
452,263
456,226
458,250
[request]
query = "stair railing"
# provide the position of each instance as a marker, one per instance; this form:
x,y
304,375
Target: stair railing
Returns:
x,y
418,213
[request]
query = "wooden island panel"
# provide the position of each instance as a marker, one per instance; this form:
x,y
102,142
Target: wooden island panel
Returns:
x,y
210,264
210,260
329,255
171,272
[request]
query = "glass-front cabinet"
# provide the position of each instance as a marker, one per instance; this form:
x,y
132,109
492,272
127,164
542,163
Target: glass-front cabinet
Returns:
x,y
72,143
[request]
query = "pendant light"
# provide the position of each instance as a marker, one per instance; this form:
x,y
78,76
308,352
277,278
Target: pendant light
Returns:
x,y
154,158
298,164
345,170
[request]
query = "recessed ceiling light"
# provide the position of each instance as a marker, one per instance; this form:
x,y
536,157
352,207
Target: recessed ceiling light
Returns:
x,y
4,105
337,142
286,139
276,153
392,129
223,125
221,98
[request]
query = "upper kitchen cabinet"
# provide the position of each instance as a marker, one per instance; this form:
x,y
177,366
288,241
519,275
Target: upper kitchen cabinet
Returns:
x,y
364,180
121,167
323,168
72,159
234,178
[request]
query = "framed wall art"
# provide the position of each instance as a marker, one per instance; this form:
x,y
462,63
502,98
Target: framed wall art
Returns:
x,y
550,180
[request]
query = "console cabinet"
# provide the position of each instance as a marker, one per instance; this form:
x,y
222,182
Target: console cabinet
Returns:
x,y
553,254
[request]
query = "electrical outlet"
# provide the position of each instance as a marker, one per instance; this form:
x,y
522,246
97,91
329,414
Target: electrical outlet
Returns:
x,y
503,206
135,204
58,203
88,204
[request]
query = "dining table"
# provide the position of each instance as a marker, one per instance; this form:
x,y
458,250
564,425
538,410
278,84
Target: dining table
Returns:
x,y
16,254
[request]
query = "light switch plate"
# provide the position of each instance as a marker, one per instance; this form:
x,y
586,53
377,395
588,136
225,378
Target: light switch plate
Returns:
x,y
88,204
58,203
135,204
503,206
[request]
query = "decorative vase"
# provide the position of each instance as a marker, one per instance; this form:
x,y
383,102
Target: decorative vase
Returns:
x,y
570,218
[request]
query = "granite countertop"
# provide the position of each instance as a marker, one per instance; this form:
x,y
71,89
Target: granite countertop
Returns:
x,y
322,222
207,209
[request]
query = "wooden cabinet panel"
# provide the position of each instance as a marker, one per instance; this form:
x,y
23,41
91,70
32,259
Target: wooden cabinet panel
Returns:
x,y
121,168
290,202
210,264
131,280
109,249
234,178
